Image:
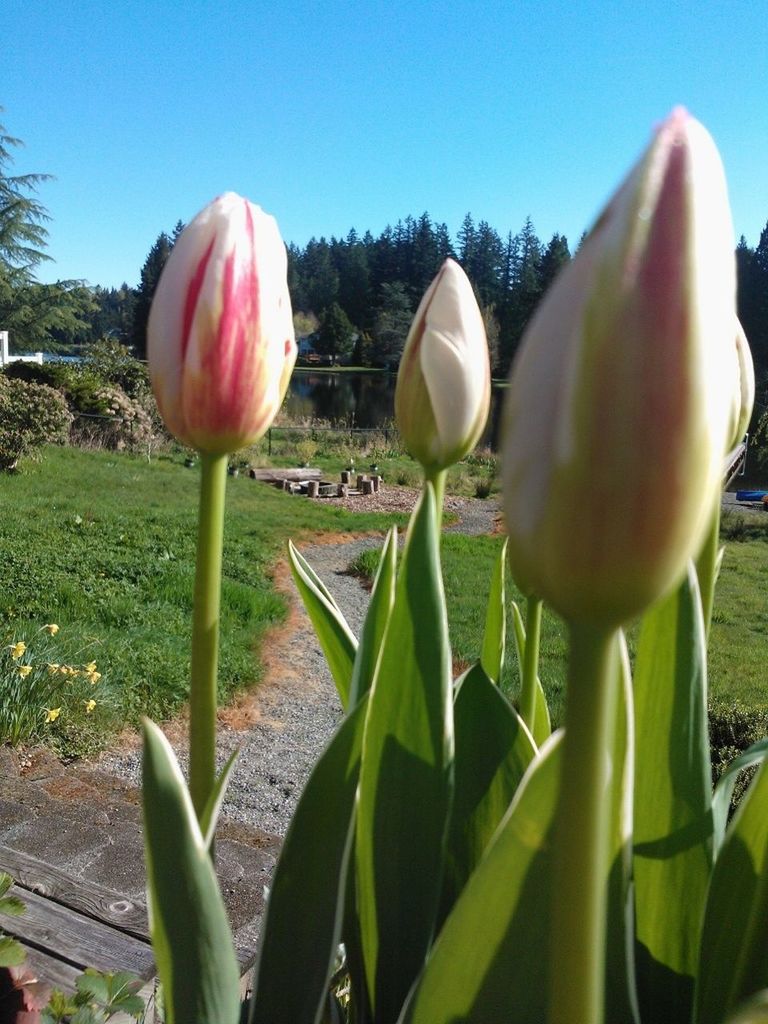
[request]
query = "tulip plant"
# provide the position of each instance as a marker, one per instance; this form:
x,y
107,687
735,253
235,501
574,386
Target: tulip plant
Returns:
x,y
451,860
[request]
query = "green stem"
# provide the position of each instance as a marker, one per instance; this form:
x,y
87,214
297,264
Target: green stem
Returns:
x,y
530,661
577,978
437,478
706,566
205,630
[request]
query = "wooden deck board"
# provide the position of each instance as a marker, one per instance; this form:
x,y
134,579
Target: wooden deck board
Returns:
x,y
76,939
89,899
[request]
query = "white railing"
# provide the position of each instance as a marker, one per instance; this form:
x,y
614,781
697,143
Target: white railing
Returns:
x,y
6,357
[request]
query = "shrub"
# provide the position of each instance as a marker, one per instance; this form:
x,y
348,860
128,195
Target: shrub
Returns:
x,y
112,363
732,728
110,419
31,415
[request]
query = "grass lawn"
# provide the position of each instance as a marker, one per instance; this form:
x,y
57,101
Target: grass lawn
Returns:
x,y
738,660
103,545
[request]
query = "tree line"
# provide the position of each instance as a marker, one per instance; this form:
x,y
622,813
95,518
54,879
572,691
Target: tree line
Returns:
x,y
353,297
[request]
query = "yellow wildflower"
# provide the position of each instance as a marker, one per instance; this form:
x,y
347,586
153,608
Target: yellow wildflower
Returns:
x,y
52,629
17,649
89,706
51,714
24,670
94,677
53,667
91,666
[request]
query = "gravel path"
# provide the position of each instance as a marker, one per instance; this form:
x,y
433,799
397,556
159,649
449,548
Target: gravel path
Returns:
x,y
282,728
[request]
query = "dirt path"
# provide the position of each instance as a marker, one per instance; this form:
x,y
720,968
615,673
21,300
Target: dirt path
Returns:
x,y
282,727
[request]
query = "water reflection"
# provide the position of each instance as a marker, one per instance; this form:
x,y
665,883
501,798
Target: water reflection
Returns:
x,y
365,400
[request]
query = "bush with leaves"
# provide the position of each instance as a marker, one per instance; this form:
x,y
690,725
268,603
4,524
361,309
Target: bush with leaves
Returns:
x,y
31,415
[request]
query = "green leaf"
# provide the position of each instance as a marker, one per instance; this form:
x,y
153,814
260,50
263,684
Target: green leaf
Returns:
x,y
377,616
495,634
721,799
191,937
12,906
493,751
405,777
6,881
542,726
490,962
734,941
303,920
620,990
12,953
336,638
211,810
673,850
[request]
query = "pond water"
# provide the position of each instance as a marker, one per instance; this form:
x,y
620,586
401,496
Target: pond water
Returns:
x,y
364,400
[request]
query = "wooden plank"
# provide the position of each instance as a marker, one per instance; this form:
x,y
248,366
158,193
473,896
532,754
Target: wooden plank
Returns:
x,y
63,976
93,900
276,475
77,939
50,970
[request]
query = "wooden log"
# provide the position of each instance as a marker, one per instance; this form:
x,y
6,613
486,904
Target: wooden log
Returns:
x,y
367,486
376,478
346,476
287,486
341,490
360,479
313,488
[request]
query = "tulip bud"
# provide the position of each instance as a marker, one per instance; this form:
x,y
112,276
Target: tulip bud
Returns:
x,y
220,341
444,382
744,398
618,413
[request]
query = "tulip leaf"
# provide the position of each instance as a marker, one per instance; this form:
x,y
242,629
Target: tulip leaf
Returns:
x,y
303,921
191,938
542,726
620,989
377,616
673,841
493,751
734,941
495,634
405,777
490,960
336,638
721,799
211,810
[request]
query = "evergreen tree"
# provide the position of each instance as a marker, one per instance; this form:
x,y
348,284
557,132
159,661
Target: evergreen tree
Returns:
x,y
554,257
150,275
393,320
335,336
23,235
321,279
354,280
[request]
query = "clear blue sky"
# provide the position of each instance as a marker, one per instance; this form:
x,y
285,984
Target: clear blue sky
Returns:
x,y
332,115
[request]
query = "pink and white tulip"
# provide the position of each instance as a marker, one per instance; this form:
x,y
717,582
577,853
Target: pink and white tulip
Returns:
x,y
220,339
443,388
620,405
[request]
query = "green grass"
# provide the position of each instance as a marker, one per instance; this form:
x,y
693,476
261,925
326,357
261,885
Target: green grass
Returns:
x,y
738,650
103,544
467,566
